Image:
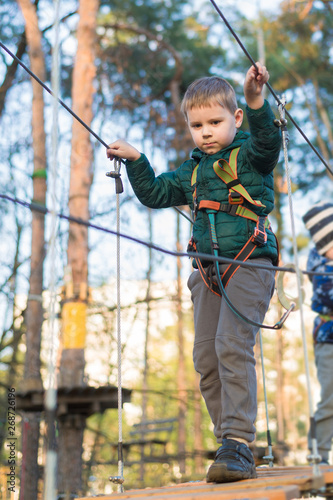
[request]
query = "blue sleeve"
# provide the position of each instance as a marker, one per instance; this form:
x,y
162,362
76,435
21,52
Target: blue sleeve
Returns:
x,y
322,300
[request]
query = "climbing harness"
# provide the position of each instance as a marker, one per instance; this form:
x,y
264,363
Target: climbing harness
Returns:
x,y
258,238
227,172
245,319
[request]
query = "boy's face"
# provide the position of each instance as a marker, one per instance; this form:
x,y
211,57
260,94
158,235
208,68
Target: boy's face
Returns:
x,y
213,127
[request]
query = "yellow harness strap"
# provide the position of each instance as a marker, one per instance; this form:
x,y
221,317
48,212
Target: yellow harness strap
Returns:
x,y
227,172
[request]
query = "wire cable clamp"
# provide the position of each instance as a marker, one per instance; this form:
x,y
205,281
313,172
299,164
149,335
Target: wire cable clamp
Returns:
x,y
282,122
116,176
117,479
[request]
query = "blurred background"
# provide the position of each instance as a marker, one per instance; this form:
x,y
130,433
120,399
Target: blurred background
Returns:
x,y
74,298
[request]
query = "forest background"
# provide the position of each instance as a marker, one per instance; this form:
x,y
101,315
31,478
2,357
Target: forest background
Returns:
x,y
123,68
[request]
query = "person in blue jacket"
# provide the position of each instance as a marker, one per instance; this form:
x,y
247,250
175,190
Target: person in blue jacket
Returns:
x,y
319,221
231,171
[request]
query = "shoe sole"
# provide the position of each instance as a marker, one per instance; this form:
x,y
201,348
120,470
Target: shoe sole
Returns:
x,y
218,473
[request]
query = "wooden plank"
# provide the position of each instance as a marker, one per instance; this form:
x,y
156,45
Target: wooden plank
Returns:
x,y
273,483
285,471
269,493
303,476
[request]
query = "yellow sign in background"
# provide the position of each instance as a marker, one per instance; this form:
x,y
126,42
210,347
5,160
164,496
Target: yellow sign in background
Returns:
x,y
74,325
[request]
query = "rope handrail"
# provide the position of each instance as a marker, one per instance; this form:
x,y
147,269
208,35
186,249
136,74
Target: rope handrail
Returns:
x,y
315,457
223,260
49,492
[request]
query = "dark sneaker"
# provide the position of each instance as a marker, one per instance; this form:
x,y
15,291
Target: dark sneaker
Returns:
x,y
233,462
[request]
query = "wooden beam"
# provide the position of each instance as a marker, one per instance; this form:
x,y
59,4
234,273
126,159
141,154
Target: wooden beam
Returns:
x,y
273,483
75,400
209,492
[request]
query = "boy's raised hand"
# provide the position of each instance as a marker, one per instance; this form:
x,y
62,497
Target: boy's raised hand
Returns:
x,y
122,149
254,81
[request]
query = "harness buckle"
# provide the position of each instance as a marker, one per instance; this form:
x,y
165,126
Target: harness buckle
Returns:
x,y
195,207
232,209
235,198
259,235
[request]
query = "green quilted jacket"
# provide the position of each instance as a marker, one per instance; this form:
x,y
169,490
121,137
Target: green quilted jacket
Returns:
x,y
257,157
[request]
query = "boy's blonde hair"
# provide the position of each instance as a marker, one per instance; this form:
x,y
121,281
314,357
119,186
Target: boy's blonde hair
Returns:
x,y
208,90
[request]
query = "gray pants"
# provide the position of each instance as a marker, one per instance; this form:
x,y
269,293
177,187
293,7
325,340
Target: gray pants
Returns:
x,y
223,347
324,413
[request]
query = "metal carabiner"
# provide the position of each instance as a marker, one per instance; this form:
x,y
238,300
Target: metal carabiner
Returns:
x,y
116,175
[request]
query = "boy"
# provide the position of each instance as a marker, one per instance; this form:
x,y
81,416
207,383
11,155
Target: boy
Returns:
x,y
319,221
223,344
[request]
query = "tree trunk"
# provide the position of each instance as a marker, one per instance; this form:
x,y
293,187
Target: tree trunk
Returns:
x,y
71,427
34,313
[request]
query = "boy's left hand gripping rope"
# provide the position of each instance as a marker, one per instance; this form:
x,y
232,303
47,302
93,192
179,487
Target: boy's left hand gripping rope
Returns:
x,y
116,175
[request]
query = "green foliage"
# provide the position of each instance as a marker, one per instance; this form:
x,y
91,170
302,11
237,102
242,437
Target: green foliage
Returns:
x,y
297,47
143,48
300,63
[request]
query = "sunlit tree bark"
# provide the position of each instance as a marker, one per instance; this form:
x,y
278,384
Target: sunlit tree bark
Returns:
x,y
71,427
34,312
